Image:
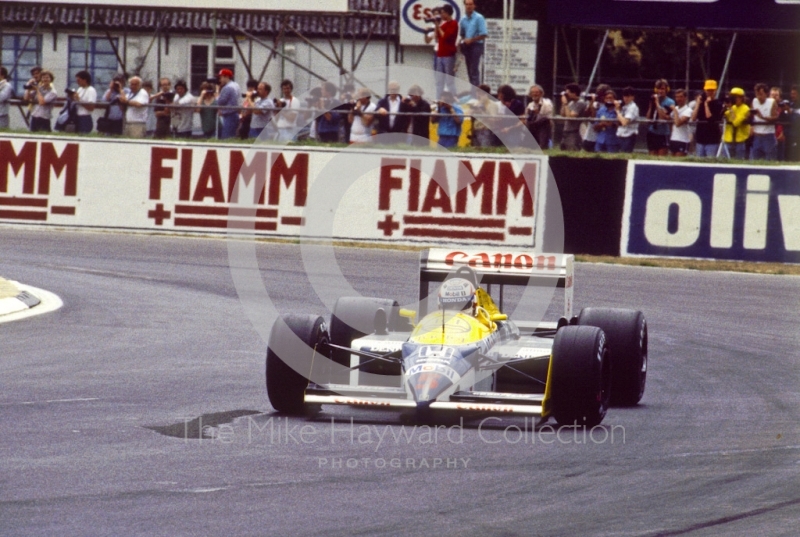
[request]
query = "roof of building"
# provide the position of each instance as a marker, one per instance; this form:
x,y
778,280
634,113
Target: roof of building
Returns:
x,y
375,17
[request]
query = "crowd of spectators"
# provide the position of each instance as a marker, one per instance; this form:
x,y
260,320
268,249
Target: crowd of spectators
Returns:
x,y
707,123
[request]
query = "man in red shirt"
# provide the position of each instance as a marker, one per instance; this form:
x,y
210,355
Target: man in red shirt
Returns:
x,y
445,64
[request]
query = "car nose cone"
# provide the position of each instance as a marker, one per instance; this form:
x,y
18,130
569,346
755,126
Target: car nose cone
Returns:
x,y
428,385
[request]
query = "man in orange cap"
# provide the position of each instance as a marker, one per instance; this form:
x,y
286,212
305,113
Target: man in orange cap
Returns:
x,y
708,115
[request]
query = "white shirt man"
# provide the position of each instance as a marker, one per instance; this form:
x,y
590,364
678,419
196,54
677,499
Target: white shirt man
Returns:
x,y
136,114
361,117
681,134
286,120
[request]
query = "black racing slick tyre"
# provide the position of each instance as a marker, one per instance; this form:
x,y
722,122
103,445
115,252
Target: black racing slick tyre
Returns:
x,y
626,334
579,376
354,317
293,338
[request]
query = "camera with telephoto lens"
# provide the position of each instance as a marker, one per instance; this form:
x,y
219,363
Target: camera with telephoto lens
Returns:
x,y
69,92
168,96
29,87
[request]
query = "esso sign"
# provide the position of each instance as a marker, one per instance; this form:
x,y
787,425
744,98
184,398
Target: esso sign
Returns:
x,y
413,15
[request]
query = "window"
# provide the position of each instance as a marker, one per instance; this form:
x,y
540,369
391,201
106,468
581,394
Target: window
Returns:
x,y
99,59
23,50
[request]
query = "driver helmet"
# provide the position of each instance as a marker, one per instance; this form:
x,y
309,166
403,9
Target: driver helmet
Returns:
x,y
457,294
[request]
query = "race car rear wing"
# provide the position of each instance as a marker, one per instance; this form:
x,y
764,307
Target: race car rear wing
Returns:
x,y
499,267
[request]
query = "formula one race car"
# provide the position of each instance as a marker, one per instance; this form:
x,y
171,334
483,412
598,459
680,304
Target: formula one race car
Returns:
x,y
466,356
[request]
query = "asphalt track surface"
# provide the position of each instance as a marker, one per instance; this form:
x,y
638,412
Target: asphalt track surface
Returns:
x,y
97,399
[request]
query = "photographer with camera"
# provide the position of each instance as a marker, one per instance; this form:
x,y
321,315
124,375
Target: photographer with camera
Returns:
x,y
209,122
360,117
29,96
6,92
628,116
539,116
708,115
449,117
86,97
483,122
263,110
163,114
136,98
606,128
737,124
445,65
681,135
246,116
660,108
111,122
572,107
43,97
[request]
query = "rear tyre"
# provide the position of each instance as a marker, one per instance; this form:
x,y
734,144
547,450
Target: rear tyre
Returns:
x,y
580,376
293,338
626,338
354,317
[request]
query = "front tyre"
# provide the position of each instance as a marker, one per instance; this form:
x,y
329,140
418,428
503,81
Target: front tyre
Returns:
x,y
579,377
295,339
626,333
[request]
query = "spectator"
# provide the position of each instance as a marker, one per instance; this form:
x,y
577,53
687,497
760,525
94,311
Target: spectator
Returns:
x,y
473,33
347,99
681,133
606,128
783,128
114,113
539,116
571,107
209,121
44,96
150,125
229,95
137,100
764,114
30,86
660,108
708,115
445,66
6,91
482,125
360,118
183,117
262,113
588,132
287,120
449,117
86,97
793,132
628,117
775,93
389,107
420,122
329,122
163,114
430,34
246,116
737,126
509,129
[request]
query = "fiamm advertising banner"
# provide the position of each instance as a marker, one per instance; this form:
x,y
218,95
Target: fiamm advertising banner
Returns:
x,y
748,213
266,190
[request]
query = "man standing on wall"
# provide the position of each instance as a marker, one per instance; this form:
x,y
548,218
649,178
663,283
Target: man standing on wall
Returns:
x,y
229,95
445,65
473,34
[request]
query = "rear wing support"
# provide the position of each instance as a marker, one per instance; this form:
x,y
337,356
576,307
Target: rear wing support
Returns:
x,y
501,268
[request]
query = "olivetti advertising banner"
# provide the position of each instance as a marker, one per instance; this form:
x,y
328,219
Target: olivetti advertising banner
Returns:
x,y
702,14
745,213
403,196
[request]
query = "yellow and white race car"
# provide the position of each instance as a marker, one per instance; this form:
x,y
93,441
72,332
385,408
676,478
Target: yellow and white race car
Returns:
x,y
467,355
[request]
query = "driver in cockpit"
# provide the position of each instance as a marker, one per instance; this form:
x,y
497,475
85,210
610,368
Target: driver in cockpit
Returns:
x,y
458,294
